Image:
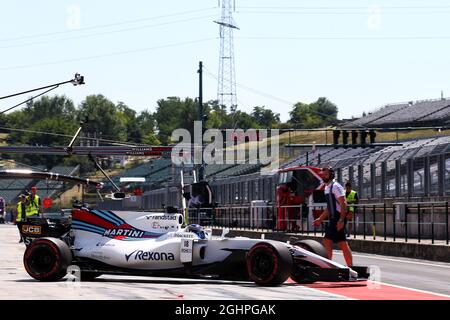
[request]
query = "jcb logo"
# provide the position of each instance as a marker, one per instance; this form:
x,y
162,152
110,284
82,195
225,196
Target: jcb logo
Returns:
x,y
31,229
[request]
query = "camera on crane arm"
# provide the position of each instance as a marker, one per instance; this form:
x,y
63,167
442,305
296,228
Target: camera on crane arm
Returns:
x,y
78,79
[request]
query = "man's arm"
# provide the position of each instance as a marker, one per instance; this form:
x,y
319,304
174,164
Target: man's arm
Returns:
x,y
344,208
322,217
343,213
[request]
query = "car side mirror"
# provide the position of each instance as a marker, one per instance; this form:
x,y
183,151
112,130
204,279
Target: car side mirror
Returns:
x,y
118,195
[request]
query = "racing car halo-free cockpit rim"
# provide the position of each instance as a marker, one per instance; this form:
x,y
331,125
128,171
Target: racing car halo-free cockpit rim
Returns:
x,y
269,264
47,259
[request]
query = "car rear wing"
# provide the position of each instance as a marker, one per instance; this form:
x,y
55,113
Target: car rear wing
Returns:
x,y
30,174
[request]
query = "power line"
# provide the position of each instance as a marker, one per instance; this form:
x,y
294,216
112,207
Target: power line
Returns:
x,y
345,38
267,95
264,94
345,7
103,33
107,54
336,12
115,142
104,25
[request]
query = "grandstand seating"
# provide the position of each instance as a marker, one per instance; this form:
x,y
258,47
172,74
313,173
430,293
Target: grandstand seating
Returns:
x,y
154,172
340,158
379,114
418,113
239,169
215,169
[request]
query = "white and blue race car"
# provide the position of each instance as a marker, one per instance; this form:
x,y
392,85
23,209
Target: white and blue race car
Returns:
x,y
159,244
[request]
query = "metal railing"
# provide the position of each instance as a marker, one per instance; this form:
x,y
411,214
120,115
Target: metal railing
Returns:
x,y
416,221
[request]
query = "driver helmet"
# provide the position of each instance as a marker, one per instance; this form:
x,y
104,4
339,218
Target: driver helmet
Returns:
x,y
198,230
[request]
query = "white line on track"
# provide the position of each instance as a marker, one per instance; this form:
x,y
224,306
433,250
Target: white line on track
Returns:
x,y
412,289
339,296
398,260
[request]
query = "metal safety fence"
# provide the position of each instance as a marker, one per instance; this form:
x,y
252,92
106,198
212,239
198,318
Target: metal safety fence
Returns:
x,y
418,221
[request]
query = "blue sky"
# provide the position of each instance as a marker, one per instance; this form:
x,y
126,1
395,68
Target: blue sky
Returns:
x,y
359,54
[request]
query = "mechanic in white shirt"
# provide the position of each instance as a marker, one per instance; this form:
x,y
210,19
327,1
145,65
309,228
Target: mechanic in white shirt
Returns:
x,y
336,212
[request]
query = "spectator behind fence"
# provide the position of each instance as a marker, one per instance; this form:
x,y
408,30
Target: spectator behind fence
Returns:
x,y
352,198
35,202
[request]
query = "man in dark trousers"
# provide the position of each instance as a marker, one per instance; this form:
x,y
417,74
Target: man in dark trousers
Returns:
x,y
2,211
336,213
23,210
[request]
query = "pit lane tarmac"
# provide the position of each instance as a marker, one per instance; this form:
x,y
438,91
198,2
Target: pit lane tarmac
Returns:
x,y
428,280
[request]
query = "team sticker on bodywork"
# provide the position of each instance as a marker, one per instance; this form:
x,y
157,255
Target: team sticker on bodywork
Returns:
x,y
142,255
132,233
30,229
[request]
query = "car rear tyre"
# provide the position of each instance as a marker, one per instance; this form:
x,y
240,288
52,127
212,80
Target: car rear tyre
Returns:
x,y
47,259
269,264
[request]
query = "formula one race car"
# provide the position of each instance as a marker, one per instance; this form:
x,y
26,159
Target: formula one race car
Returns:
x,y
156,244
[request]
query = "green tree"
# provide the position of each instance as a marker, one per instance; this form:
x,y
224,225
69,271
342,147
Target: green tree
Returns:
x,y
326,110
265,118
51,107
218,118
243,120
317,114
146,123
55,125
56,107
128,116
105,119
173,113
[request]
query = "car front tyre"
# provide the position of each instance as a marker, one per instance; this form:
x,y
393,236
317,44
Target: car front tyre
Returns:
x,y
269,264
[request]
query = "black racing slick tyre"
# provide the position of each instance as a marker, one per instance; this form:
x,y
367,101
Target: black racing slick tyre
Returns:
x,y
312,246
47,259
269,264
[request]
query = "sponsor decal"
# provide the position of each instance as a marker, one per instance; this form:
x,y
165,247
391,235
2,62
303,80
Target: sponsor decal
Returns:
x,y
29,229
183,235
133,233
165,217
150,256
138,151
103,244
155,225
99,255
